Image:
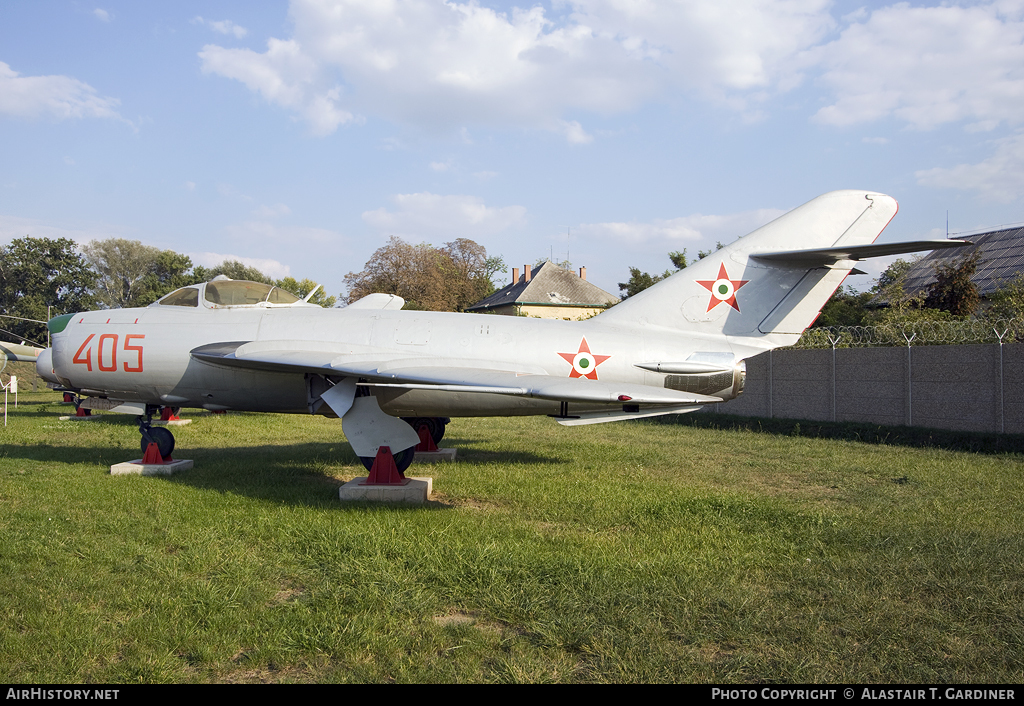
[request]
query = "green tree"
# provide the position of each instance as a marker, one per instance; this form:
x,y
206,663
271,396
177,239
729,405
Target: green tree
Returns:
x,y
170,271
468,272
132,274
449,278
701,254
233,269
304,287
36,273
122,267
846,307
639,281
891,293
1007,302
953,289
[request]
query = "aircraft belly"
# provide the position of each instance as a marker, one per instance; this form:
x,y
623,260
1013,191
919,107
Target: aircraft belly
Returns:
x,y
243,390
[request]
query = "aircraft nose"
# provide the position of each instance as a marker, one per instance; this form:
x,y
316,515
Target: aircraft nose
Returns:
x,y
58,323
44,366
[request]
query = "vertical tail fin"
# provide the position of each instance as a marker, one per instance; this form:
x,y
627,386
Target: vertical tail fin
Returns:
x,y
735,293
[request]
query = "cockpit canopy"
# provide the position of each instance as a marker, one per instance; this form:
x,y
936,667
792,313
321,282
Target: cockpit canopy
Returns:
x,y
225,292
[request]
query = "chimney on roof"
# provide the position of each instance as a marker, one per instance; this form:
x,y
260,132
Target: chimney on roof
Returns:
x,y
515,275
526,272
583,274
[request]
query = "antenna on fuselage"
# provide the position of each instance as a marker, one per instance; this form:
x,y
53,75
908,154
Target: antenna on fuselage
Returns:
x,y
310,295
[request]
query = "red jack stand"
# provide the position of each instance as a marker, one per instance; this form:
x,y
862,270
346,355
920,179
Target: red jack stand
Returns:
x,y
152,456
384,471
426,440
169,414
83,412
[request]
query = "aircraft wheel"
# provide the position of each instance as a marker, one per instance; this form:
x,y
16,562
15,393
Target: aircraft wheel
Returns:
x,y
435,425
403,459
163,438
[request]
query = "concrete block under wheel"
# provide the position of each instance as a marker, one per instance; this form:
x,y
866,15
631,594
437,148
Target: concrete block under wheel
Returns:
x,y
415,491
138,468
172,422
434,456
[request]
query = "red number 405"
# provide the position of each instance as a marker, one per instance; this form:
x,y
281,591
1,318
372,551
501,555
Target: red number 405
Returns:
x,y
106,353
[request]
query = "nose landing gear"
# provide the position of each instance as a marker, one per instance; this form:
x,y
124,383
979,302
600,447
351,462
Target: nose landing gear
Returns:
x,y
157,443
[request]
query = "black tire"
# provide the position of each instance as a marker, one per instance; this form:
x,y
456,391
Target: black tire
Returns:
x,y
403,459
164,441
435,425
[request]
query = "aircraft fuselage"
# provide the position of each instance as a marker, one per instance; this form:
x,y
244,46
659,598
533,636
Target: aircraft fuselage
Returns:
x,y
144,355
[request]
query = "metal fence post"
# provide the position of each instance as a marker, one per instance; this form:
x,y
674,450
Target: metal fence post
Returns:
x,y
910,386
1002,406
833,341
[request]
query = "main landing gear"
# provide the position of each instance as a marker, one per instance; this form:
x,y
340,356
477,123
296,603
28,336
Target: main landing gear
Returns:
x,y
157,443
434,426
403,459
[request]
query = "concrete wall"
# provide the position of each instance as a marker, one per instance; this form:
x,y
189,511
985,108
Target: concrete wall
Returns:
x,y
943,387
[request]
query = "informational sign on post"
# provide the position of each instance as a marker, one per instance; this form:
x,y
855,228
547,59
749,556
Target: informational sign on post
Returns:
x,y
11,386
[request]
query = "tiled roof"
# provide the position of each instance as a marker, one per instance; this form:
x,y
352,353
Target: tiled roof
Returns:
x,y
1002,258
550,285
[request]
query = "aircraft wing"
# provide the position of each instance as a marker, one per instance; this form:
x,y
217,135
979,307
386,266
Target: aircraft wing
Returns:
x,y
15,351
548,387
385,369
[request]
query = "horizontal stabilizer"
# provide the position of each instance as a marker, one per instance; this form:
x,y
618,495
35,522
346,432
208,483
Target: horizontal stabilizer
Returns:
x,y
828,256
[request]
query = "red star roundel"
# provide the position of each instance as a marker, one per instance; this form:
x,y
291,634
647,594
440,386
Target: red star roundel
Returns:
x,y
722,289
584,363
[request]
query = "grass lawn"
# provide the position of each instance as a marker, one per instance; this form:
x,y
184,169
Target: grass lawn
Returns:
x,y
637,551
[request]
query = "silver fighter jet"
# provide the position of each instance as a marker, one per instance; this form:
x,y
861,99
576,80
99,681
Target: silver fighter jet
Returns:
x,y
679,345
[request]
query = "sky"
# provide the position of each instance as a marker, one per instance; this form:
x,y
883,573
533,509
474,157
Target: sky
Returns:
x,y
298,137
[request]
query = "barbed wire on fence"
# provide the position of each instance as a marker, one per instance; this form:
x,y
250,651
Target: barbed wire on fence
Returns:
x,y
916,333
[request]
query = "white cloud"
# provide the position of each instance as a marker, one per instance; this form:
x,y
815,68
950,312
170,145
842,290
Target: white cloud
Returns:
x,y
190,186
267,266
715,46
999,178
444,65
222,26
278,209
673,232
426,215
575,134
283,76
101,14
928,66
442,166
59,97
